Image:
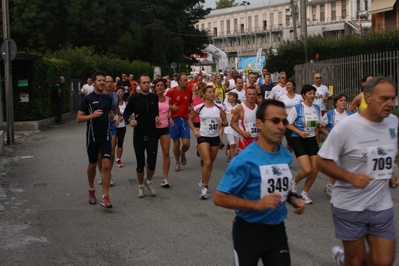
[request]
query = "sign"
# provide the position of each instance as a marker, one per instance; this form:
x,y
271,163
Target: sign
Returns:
x,y
12,49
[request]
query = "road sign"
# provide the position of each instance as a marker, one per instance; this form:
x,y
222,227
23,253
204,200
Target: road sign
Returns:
x,y
12,49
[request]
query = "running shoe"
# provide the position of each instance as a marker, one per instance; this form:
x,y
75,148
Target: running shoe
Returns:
x,y
338,255
177,167
201,185
328,189
293,187
204,193
165,183
141,192
111,183
228,159
119,163
99,178
151,190
183,159
92,196
305,197
105,202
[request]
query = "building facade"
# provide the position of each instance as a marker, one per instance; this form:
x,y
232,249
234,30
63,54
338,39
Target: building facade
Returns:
x,y
244,29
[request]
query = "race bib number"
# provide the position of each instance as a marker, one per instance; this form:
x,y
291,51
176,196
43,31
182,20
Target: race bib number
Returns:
x,y
252,129
380,161
218,100
275,179
213,126
311,124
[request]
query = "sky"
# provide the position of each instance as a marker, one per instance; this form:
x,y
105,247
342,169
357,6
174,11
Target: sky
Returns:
x,y
212,3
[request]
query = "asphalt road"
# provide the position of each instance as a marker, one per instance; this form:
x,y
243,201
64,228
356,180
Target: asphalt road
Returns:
x,y
45,218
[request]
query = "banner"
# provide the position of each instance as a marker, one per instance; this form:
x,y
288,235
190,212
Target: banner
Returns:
x,y
218,54
249,62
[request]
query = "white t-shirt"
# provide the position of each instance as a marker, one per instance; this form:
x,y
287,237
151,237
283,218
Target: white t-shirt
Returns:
x,y
229,114
321,92
121,110
241,96
208,119
289,103
87,89
359,145
277,92
307,119
173,83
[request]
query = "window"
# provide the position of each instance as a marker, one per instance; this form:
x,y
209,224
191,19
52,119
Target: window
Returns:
x,y
242,28
314,13
265,25
333,11
322,12
209,26
215,32
235,25
366,5
256,22
228,26
343,9
272,19
202,26
287,20
249,25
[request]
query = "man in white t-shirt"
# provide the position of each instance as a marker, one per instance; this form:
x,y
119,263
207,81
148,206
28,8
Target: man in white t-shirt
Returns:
x,y
359,153
321,97
239,89
87,88
279,90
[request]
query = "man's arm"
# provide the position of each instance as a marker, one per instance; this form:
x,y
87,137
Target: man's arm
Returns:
x,y
271,201
330,168
234,122
82,117
355,103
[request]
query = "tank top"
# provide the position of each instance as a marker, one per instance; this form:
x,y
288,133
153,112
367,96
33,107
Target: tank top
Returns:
x,y
163,109
363,104
122,108
248,123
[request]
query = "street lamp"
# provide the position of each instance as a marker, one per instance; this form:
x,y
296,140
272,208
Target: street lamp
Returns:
x,y
246,4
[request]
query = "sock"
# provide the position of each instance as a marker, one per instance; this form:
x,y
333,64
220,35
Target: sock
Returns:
x,y
148,182
141,186
92,189
206,187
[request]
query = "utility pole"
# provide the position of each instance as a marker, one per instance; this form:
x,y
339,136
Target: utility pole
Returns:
x,y
304,28
7,54
293,19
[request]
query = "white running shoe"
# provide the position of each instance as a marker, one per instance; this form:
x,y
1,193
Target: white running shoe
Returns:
x,y
204,193
293,187
99,178
328,189
338,255
305,197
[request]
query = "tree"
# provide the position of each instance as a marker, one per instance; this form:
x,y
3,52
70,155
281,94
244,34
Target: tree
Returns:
x,y
225,4
155,31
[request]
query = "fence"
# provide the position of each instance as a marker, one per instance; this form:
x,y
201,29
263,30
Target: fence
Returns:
x,y
345,74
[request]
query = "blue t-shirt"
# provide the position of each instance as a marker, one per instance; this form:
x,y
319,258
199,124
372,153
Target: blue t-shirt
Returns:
x,y
97,128
254,173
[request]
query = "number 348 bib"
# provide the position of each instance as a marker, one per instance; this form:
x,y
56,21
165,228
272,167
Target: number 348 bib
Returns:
x,y
276,178
380,161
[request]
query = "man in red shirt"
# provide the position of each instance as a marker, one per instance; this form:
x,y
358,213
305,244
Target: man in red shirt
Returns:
x,y
180,105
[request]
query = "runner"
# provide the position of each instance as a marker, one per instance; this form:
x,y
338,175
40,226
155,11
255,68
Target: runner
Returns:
x,y
95,109
121,128
256,185
231,134
212,117
362,206
304,118
244,120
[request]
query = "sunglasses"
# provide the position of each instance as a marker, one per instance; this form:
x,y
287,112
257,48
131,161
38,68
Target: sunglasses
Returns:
x,y
276,121
317,77
283,77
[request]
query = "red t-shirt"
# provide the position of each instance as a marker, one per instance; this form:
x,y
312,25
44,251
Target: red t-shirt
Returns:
x,y
182,99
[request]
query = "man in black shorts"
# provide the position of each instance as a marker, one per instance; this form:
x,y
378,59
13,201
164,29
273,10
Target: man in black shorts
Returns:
x,y
144,105
95,109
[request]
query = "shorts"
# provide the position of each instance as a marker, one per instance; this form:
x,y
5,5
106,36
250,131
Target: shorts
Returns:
x,y
93,148
288,137
112,128
304,146
231,139
352,225
197,124
162,131
254,241
213,141
244,142
180,129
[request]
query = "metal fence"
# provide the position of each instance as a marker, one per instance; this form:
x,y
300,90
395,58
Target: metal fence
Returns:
x,y
345,74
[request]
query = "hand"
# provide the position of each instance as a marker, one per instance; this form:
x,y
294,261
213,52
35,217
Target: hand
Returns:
x,y
157,120
304,134
97,113
360,180
325,98
394,181
174,108
116,120
220,122
298,204
271,201
171,123
246,134
323,124
133,122
197,133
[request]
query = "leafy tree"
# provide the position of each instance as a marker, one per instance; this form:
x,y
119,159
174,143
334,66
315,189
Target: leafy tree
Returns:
x,y
225,4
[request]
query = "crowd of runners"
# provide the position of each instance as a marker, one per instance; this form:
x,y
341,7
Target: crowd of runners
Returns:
x,y
255,115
